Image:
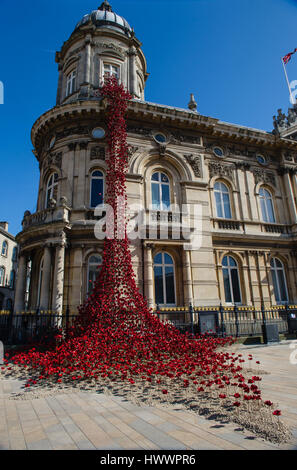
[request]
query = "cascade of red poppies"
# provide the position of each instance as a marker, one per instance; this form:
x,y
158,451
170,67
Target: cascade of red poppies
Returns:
x,y
115,329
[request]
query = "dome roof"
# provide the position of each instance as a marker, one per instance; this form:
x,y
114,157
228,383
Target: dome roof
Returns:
x,y
105,17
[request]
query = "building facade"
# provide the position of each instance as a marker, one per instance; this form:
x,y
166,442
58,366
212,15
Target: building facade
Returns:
x,y
8,267
242,179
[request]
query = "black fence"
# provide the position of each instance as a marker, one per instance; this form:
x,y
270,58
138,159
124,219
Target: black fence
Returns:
x,y
232,321
34,326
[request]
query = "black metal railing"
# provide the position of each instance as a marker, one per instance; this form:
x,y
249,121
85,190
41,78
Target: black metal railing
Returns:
x,y
231,321
33,326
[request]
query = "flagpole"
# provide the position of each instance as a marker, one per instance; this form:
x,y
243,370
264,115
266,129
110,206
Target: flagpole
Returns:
x,y
286,75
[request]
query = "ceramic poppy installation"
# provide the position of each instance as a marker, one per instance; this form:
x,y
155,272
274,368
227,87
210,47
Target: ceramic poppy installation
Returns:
x,y
118,342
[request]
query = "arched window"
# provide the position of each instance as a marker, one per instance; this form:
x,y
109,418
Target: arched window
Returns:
x,y
51,189
266,202
2,276
222,199
4,248
97,188
164,279
279,281
12,279
160,191
94,267
231,280
40,281
71,83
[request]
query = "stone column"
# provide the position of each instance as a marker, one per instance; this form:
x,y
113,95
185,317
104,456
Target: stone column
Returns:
x,y
58,285
132,71
187,278
290,197
149,275
88,61
20,289
46,278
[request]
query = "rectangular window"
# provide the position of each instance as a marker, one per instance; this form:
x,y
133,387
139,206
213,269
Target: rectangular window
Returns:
x,y
110,70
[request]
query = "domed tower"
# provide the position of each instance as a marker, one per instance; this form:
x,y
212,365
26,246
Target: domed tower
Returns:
x,y
58,246
101,43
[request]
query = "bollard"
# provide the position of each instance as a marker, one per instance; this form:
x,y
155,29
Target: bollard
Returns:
x,y
1,353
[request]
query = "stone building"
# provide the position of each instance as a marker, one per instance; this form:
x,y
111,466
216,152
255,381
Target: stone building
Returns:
x,y
8,267
244,180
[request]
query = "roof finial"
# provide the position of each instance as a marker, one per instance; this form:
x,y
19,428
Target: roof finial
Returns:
x,y
192,104
105,6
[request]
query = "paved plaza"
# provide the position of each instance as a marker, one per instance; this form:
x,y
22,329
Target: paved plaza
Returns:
x,y
85,420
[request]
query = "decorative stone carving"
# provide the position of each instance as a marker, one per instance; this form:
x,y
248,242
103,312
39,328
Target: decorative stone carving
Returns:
x,y
139,130
219,169
263,176
177,138
52,203
162,149
243,165
131,151
196,164
97,153
83,145
80,130
111,47
53,159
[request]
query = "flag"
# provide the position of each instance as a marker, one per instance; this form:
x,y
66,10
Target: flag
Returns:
x,y
287,57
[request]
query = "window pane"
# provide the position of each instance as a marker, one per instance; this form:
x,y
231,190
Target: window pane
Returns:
x,y
282,286
219,205
227,209
225,261
97,192
156,196
155,177
164,178
170,295
232,261
165,197
158,258
275,286
264,211
235,286
159,294
167,259
270,210
97,173
228,296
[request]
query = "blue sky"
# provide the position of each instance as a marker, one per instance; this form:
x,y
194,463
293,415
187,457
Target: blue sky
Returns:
x,y
226,52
